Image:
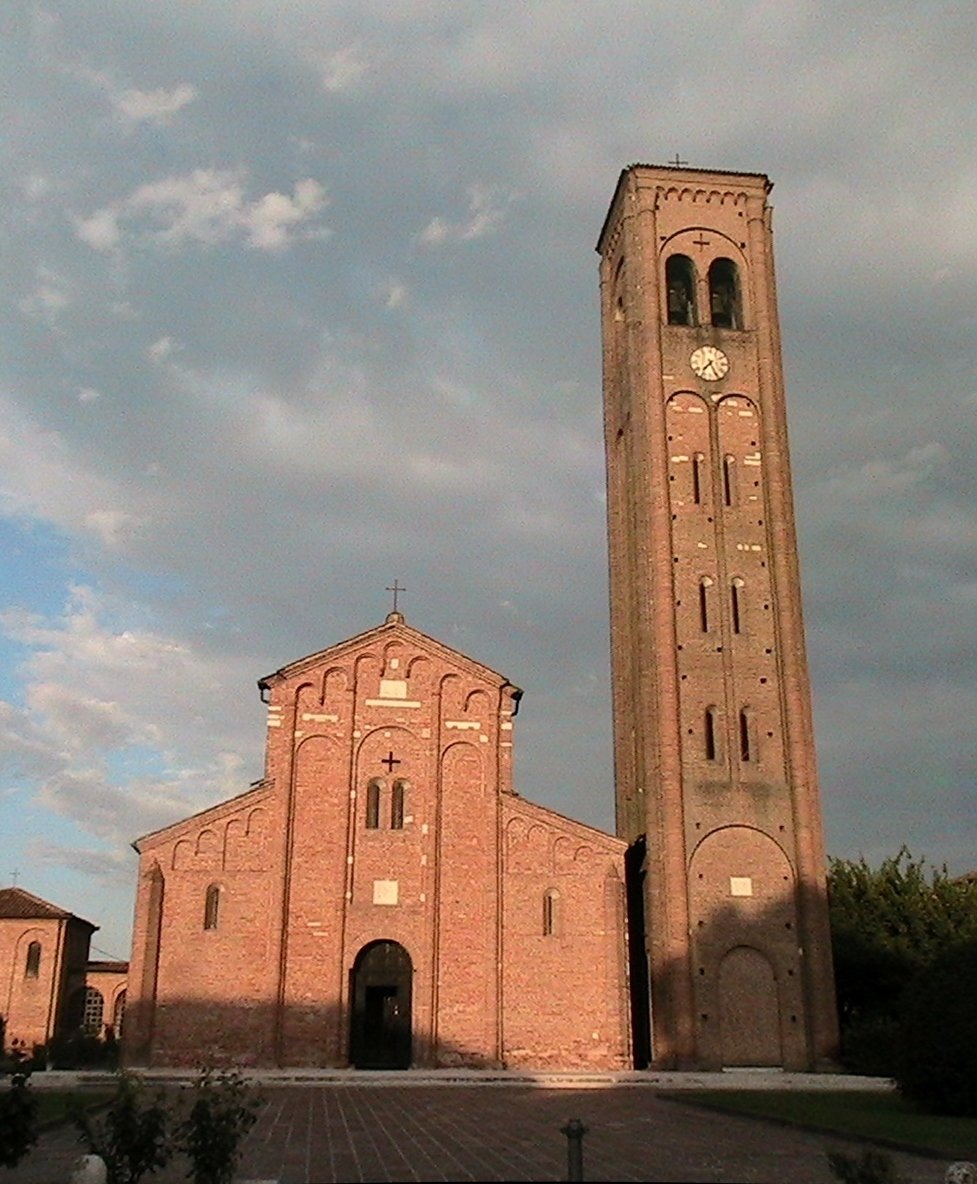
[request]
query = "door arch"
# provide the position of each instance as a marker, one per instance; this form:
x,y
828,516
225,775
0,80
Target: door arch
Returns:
x,y
749,1009
380,1025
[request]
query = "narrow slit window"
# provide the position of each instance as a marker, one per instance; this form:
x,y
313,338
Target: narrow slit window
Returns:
x,y
32,967
698,465
373,803
746,748
680,290
212,904
704,585
729,480
397,804
550,908
736,604
724,295
710,747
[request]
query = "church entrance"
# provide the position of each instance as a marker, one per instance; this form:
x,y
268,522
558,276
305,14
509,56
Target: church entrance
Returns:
x,y
380,1027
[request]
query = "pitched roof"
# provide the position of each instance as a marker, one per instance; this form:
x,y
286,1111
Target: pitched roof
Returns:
x,y
16,903
393,625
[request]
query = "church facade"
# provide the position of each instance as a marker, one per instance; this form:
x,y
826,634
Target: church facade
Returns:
x,y
382,897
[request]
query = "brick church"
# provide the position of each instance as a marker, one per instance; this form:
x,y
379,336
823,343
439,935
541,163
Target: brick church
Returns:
x,y
384,898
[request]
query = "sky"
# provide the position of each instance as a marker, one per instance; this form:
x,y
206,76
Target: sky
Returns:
x,y
300,298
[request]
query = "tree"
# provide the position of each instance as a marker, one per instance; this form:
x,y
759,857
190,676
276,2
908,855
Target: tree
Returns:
x,y
887,924
937,1064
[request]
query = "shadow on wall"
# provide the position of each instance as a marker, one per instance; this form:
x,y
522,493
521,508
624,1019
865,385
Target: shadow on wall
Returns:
x,y
752,993
379,1035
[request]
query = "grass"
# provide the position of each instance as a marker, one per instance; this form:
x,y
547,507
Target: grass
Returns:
x,y
55,1105
883,1118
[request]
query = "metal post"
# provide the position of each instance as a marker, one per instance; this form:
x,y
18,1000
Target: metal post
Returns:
x,y
574,1131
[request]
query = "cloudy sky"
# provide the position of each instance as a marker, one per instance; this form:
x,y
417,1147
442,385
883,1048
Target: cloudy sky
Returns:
x,y
299,297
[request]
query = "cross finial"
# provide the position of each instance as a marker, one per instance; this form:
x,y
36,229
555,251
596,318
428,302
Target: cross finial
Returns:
x,y
395,589
15,875
678,162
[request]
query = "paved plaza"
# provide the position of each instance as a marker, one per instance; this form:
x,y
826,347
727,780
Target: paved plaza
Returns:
x,y
362,1127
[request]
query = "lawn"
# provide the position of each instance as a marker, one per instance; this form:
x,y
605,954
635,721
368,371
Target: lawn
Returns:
x,y
55,1105
881,1117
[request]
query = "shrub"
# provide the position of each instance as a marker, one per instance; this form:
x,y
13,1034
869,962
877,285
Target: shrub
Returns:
x,y
18,1120
221,1114
871,1167
132,1134
937,1067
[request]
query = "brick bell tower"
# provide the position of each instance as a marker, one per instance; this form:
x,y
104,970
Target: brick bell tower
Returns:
x,y
716,784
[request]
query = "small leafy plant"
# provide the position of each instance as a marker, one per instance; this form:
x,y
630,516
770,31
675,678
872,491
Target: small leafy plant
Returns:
x,y
222,1112
132,1134
871,1167
18,1118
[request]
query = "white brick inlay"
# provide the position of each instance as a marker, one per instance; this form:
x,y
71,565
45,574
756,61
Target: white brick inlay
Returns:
x,y
318,717
740,886
393,688
462,723
385,891
393,703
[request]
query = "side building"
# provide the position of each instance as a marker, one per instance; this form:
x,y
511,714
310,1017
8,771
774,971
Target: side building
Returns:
x,y
49,987
382,897
714,753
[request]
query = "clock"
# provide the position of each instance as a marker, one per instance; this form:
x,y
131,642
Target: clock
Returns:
x,y
710,363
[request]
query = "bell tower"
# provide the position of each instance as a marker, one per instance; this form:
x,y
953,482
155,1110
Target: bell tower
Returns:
x,y
716,784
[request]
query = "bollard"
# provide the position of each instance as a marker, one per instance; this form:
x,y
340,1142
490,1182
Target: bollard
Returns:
x,y
574,1131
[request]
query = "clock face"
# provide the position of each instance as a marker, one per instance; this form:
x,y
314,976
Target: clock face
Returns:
x,y
709,363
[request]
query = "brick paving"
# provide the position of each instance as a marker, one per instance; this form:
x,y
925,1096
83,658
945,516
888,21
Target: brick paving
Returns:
x,y
321,1133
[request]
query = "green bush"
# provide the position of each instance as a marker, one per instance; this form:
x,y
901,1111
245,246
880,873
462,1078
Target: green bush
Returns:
x,y
132,1134
221,1114
18,1120
871,1167
937,1067
870,1045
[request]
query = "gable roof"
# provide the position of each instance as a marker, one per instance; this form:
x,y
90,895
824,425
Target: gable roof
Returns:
x,y
15,903
258,790
393,626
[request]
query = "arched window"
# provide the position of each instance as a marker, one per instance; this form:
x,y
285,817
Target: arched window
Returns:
x,y
680,290
118,1014
87,1010
711,735
373,790
724,295
737,603
212,905
32,966
551,912
729,480
397,796
746,728
704,585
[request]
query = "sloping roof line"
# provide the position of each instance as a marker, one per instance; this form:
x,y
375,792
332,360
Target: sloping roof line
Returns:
x,y
22,905
228,805
394,624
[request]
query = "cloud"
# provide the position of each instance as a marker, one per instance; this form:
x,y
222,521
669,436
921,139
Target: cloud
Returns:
x,y
487,208
152,106
342,70
207,206
110,766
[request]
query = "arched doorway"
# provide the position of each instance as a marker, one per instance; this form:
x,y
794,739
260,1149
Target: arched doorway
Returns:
x,y
380,1026
750,1012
